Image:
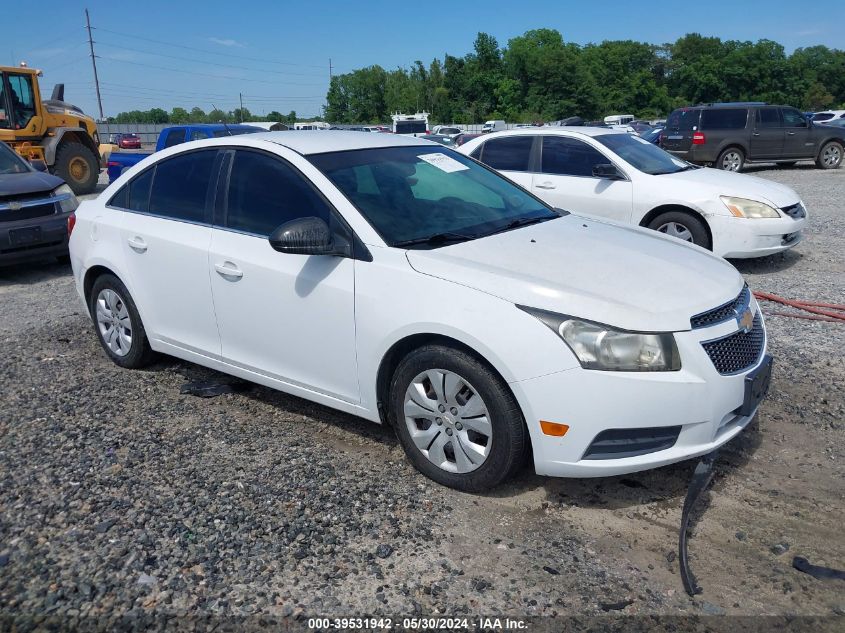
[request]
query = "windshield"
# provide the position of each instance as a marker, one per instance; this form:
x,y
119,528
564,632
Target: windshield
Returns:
x,y
411,127
415,193
641,154
10,162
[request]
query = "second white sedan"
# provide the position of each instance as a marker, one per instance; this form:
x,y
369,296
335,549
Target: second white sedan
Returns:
x,y
624,178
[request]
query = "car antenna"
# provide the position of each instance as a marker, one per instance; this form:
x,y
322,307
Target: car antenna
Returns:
x,y
225,126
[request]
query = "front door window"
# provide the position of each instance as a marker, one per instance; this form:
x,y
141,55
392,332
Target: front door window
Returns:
x,y
22,102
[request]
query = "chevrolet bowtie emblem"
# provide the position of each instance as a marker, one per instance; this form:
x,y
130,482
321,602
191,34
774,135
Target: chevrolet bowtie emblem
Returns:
x,y
14,205
745,321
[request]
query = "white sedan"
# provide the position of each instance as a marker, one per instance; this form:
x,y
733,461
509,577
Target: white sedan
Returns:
x,y
624,178
399,281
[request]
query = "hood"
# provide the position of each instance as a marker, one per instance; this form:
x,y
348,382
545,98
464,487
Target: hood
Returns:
x,y
630,278
27,183
727,183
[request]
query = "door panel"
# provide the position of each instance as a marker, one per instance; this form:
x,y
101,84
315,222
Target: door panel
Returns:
x,y
798,142
768,134
566,181
290,317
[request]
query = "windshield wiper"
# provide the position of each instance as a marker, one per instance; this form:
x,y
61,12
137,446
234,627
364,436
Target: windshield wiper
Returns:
x,y
520,222
437,238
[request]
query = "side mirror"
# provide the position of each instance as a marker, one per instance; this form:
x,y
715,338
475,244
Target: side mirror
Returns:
x,y
38,164
303,236
607,171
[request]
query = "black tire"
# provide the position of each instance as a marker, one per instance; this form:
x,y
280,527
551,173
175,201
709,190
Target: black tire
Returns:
x,y
77,166
140,353
830,155
731,159
63,259
509,435
694,225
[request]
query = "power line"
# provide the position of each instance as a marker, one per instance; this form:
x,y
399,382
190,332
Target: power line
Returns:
x,y
200,61
208,52
192,72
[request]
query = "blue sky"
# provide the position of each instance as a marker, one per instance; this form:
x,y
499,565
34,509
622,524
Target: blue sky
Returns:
x,y
182,53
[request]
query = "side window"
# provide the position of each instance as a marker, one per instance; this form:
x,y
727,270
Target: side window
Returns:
x,y
180,186
265,192
23,100
508,153
724,118
569,157
793,118
826,116
174,137
139,191
197,135
768,117
121,198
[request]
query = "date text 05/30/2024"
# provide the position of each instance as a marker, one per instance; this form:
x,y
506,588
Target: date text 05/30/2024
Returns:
x,y
419,624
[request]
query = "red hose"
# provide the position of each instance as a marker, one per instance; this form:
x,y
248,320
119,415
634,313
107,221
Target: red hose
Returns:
x,y
834,313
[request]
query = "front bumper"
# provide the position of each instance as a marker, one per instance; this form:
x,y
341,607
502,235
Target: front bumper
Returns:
x,y
51,240
746,237
697,398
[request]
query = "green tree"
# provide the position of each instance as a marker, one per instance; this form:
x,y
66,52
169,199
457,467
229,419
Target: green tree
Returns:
x,y
179,115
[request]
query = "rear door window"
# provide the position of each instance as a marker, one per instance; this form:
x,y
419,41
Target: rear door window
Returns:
x,y
569,157
174,137
138,196
724,118
181,184
508,153
768,117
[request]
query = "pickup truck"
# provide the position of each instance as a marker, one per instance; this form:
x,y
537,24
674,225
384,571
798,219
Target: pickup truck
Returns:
x,y
118,162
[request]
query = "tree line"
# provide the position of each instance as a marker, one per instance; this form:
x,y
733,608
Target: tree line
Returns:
x,y
180,116
539,76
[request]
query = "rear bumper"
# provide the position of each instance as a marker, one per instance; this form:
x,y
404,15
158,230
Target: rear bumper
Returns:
x,y
745,238
51,241
703,403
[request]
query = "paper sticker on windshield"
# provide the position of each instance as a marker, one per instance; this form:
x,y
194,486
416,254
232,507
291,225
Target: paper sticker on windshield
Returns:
x,y
443,162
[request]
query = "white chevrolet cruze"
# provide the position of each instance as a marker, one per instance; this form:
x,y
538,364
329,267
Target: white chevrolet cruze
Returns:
x,y
605,173
402,282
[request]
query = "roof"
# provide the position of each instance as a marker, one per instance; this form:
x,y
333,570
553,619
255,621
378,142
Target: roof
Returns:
x,y
321,142
557,129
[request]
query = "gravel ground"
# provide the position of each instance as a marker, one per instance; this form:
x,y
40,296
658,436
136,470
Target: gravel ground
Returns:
x,y
120,496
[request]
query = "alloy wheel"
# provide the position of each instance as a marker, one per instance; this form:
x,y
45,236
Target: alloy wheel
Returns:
x,y
676,229
113,322
831,156
731,161
448,421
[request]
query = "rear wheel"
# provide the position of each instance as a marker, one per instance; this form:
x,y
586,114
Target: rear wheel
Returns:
x,y
830,156
456,419
683,226
731,159
118,324
77,166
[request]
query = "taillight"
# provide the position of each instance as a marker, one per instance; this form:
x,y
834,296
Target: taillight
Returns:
x,y
111,163
71,222
698,138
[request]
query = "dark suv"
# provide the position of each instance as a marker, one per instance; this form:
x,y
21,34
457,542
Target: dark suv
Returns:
x,y
727,135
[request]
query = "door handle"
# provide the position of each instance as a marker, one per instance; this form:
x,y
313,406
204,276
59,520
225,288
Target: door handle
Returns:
x,y
137,244
756,134
790,133
545,185
228,269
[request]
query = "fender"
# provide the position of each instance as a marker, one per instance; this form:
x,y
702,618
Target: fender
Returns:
x,y
54,138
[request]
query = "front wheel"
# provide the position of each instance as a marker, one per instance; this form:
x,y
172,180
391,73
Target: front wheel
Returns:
x,y
830,156
732,159
683,226
77,166
456,419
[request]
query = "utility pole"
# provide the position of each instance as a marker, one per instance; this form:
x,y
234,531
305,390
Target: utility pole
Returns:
x,y
241,111
94,63
330,70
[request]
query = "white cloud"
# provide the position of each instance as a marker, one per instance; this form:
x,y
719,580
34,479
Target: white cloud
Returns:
x,y
226,42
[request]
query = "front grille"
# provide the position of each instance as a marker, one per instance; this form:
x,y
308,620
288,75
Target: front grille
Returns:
x,y
796,211
739,351
724,312
27,213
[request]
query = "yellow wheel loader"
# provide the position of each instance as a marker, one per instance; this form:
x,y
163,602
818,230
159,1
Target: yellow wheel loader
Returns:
x,y
53,131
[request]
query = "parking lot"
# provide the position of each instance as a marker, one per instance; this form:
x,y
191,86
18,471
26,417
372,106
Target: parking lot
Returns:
x,y
120,495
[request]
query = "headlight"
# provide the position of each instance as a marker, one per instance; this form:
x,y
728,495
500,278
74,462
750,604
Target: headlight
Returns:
x,y
67,201
742,208
602,347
